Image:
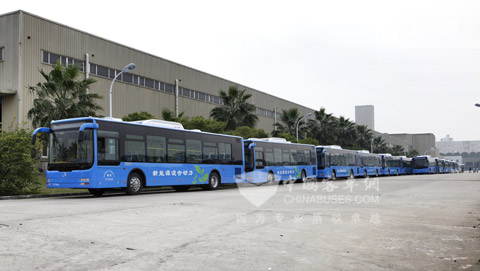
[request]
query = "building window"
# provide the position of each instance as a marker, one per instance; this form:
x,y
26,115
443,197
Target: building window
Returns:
x,y
102,71
53,58
106,72
45,57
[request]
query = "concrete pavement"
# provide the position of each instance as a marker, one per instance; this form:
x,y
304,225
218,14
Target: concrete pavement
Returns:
x,y
393,223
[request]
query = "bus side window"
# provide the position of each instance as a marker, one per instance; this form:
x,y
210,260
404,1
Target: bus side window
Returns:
x,y
107,148
210,152
176,150
277,156
225,153
156,152
134,148
269,157
285,157
194,151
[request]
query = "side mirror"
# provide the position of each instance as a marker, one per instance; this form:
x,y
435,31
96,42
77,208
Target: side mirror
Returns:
x,y
251,145
39,130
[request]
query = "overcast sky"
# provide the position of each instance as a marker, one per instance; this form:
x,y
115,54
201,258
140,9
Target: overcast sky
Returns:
x,y
417,62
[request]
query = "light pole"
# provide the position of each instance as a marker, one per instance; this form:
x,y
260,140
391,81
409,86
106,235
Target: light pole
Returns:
x,y
300,119
127,68
176,96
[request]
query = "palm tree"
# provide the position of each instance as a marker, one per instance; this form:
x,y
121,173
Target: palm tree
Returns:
x,y
62,96
322,127
289,120
379,145
397,150
235,111
168,115
364,136
346,133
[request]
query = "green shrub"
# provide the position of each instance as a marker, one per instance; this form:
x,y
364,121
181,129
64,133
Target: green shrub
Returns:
x,y
18,174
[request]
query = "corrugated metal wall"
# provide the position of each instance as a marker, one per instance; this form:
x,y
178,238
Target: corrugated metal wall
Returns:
x,y
41,34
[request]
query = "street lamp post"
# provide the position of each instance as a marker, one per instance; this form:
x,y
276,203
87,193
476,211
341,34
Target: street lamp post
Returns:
x,y
176,96
127,68
300,119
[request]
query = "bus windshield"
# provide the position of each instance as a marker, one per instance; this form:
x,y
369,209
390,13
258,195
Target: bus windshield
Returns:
x,y
68,151
421,162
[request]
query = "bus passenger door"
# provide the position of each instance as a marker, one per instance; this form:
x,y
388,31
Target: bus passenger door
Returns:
x,y
249,151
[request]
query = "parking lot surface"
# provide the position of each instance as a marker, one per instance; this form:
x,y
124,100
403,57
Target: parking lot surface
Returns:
x,y
426,222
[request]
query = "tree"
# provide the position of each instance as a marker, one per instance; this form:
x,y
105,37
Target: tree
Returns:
x,y
62,96
345,132
235,111
143,115
288,137
322,127
412,153
288,123
167,115
205,125
364,136
18,174
397,150
249,132
309,140
379,145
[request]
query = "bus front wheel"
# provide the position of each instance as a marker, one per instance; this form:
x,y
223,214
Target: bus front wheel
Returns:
x,y
270,178
213,182
334,176
134,184
304,176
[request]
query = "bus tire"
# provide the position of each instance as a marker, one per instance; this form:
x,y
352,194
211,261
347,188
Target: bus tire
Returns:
x,y
270,178
134,184
213,181
181,188
334,176
96,192
352,176
304,176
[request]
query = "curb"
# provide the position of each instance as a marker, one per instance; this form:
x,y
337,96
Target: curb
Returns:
x,y
34,196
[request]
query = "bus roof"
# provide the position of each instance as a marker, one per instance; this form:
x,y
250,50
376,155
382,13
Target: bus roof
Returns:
x,y
148,123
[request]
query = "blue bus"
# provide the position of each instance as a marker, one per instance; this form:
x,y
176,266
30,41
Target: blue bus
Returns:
x,y
370,163
99,154
393,165
424,164
440,165
406,166
334,162
270,160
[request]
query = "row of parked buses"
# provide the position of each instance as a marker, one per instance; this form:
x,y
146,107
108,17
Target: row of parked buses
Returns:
x,y
100,154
